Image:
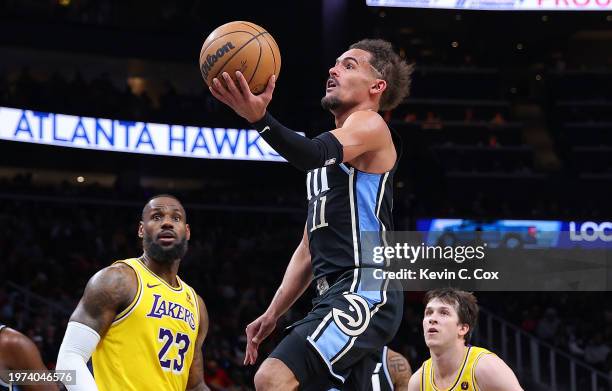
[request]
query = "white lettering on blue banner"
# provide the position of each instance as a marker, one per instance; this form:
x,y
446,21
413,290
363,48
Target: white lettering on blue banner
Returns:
x,y
134,137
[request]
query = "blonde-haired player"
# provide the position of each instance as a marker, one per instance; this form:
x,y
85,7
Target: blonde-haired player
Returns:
x,y
450,318
144,326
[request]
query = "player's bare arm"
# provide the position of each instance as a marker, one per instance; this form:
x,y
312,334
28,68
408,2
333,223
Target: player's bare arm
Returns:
x,y
492,374
365,134
107,293
196,372
399,370
415,381
22,353
296,280
364,131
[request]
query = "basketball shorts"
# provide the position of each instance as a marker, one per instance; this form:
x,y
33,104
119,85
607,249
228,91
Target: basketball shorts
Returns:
x,y
341,340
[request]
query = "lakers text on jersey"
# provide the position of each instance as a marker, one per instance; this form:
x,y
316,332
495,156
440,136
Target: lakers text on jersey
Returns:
x,y
150,344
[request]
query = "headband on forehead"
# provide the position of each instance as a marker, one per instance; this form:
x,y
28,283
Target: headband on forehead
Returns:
x,y
378,73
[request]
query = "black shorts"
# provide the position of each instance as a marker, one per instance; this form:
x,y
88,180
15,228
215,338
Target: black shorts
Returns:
x,y
340,341
371,373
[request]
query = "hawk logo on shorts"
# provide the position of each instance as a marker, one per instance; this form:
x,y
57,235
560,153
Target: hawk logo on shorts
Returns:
x,y
349,324
329,162
465,385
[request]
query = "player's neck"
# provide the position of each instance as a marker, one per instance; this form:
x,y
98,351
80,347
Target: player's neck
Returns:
x,y
446,362
165,271
342,114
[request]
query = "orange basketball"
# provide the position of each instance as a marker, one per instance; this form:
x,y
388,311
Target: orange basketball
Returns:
x,y
240,46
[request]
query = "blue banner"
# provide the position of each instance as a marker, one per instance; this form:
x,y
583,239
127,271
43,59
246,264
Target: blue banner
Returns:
x,y
133,137
525,233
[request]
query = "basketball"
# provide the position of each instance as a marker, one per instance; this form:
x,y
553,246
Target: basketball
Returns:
x,y
240,46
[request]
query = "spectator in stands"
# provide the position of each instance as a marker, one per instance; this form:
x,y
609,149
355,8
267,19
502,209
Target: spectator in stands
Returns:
x,y
574,344
548,325
216,377
410,117
469,115
432,121
529,322
498,119
596,352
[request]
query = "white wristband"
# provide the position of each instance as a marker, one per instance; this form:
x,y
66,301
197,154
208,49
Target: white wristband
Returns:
x,y
78,345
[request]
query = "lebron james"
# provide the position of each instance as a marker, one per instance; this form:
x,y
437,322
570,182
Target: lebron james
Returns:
x,y
144,326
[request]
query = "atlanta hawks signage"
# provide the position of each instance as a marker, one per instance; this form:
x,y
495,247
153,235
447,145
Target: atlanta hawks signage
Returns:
x,y
135,137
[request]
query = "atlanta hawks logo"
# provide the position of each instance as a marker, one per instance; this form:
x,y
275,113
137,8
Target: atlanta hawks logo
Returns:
x,y
357,321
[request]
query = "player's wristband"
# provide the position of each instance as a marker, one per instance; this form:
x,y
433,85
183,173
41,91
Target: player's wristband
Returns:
x,y
302,152
79,343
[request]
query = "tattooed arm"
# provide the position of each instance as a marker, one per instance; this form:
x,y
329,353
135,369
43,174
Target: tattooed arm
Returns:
x,y
107,293
399,369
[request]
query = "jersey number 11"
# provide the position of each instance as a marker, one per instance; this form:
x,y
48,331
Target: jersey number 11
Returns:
x,y
317,181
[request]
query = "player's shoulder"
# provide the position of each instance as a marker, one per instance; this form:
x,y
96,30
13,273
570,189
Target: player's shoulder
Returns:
x,y
492,372
117,281
369,120
118,272
415,380
13,341
487,362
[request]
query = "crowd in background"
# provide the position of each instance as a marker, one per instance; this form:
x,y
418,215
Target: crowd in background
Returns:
x,y
235,262
469,151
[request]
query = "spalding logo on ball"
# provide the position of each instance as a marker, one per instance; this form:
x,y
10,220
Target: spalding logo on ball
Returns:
x,y
240,46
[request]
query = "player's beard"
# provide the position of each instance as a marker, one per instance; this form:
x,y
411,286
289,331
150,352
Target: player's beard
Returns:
x,y
330,103
164,254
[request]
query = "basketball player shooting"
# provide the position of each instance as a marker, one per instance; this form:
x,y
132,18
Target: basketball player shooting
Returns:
x,y
144,326
349,189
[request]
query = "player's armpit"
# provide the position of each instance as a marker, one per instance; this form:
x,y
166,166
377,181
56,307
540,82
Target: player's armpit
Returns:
x,y
363,132
399,369
415,381
107,293
492,374
196,371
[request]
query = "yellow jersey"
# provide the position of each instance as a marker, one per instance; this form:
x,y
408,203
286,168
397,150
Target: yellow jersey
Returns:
x,y
150,344
466,376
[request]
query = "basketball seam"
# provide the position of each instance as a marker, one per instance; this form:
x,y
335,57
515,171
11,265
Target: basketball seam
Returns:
x,y
272,50
223,35
249,25
238,51
258,60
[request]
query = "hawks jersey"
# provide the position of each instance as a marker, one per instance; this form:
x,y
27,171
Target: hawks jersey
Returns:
x,y
150,344
466,376
381,379
343,203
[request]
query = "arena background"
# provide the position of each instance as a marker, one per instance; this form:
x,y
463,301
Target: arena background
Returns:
x,y
510,117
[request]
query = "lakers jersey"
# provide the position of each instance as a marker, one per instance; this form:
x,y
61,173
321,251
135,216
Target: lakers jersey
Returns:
x,y
344,202
150,344
466,376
